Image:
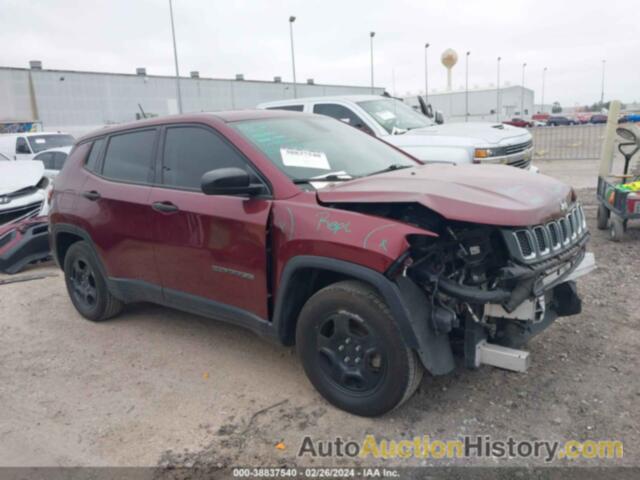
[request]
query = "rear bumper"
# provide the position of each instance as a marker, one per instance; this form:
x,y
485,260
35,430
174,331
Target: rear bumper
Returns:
x,y
23,243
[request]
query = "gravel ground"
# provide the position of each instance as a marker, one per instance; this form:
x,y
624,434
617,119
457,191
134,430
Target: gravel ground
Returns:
x,y
160,387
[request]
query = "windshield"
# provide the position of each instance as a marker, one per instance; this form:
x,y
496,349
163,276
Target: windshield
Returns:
x,y
45,142
395,116
308,147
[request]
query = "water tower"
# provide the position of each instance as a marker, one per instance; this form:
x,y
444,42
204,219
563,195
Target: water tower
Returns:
x,y
449,58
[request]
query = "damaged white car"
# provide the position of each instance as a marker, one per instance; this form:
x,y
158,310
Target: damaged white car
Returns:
x,y
24,191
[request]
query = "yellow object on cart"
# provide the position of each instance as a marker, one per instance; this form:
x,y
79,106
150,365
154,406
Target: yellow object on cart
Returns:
x,y
630,187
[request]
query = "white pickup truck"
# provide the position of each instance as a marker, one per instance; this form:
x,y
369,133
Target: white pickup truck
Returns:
x,y
417,134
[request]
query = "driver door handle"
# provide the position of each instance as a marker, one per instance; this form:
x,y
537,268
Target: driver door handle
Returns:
x,y
91,195
164,207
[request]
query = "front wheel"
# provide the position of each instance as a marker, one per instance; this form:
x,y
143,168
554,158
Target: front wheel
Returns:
x,y
352,350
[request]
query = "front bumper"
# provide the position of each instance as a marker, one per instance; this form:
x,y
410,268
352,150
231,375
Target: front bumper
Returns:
x,y
22,243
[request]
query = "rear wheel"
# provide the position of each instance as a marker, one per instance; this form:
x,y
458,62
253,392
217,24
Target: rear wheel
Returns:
x,y
616,228
352,351
86,285
603,217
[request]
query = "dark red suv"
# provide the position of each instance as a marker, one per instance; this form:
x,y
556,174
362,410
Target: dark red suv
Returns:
x,y
307,231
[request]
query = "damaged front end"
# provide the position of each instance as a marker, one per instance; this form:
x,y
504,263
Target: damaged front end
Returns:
x,y
491,289
23,215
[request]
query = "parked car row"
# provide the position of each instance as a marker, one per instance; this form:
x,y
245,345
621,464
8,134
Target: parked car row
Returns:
x,y
540,120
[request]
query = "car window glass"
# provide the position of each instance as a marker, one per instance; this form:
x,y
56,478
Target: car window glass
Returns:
x,y
46,158
338,112
21,146
40,143
129,156
291,108
190,152
92,159
58,160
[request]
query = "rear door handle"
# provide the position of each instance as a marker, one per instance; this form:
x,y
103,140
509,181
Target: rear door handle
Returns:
x,y
164,207
91,195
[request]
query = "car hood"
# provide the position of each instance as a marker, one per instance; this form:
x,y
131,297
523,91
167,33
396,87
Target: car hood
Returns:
x,y
471,133
485,194
16,175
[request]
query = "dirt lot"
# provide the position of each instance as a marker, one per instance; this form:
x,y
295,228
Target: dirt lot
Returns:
x,y
156,386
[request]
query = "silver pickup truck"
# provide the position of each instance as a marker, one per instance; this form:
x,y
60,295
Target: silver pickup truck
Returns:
x,y
417,134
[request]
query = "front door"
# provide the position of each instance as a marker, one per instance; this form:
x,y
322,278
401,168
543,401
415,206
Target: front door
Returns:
x,y
209,249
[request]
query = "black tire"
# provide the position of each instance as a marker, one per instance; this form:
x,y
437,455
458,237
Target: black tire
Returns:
x,y
603,217
378,371
616,229
86,285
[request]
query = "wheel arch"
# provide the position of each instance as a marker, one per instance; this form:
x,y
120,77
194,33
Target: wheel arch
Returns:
x,y
306,274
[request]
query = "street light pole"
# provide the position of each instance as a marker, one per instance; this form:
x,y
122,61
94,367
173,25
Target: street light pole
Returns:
x,y
498,92
604,62
522,93
426,75
371,35
293,56
544,74
175,58
466,91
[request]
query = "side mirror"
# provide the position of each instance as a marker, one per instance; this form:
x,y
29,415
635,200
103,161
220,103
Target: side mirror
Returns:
x,y
439,117
229,181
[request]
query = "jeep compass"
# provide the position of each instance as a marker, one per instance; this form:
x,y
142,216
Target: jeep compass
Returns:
x,y
307,231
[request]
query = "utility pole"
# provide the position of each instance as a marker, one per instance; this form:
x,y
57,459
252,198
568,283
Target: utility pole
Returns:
x,y
604,62
524,65
544,74
175,58
293,56
426,75
371,35
498,92
466,89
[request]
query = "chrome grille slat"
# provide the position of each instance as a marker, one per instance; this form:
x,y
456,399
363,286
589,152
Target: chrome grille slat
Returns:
x,y
540,241
16,213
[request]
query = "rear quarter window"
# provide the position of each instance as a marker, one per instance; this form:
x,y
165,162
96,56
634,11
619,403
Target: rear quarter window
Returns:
x,y
92,160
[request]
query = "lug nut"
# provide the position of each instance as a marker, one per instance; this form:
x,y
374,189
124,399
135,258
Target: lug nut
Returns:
x,y
348,340
358,348
346,359
358,360
341,347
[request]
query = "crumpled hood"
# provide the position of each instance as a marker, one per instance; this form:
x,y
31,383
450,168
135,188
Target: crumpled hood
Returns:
x,y
474,133
16,175
485,194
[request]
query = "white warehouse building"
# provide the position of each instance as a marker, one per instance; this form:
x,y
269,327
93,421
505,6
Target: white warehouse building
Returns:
x,y
78,102
483,103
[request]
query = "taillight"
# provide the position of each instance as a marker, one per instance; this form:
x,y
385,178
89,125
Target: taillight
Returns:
x,y
50,196
633,203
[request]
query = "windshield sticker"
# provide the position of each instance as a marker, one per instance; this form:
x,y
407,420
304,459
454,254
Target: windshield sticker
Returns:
x,y
40,140
331,225
385,115
304,158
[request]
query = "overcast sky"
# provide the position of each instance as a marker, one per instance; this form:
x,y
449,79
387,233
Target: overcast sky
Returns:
x,y
222,38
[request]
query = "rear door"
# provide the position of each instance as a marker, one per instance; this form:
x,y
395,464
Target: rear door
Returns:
x,y
115,203
209,249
